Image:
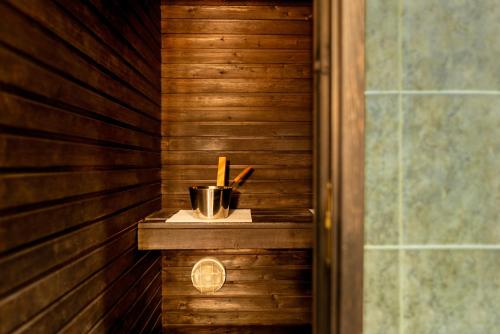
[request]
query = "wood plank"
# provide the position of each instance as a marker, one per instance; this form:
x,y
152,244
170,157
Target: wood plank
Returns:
x,y
223,41
242,289
235,56
24,227
236,100
21,267
63,58
251,27
20,74
238,258
250,186
29,152
351,180
242,318
114,317
37,43
135,314
152,320
230,304
237,114
157,224
237,2
235,71
262,329
235,143
155,13
225,85
54,317
24,114
256,292
80,142
242,129
143,10
304,273
118,46
114,15
261,172
26,303
295,159
157,328
203,238
25,189
248,201
247,12
149,38
263,217
258,281
237,83
143,308
124,290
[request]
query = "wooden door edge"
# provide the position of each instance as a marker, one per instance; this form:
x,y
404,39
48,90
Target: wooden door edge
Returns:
x,y
351,14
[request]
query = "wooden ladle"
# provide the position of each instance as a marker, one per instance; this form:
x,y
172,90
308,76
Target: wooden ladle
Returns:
x,y
221,174
240,177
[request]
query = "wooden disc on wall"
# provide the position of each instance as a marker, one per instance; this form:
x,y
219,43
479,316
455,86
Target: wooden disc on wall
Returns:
x,y
208,275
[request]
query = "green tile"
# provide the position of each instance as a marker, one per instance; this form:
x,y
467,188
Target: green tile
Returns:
x,y
381,292
451,292
381,170
451,160
451,44
382,49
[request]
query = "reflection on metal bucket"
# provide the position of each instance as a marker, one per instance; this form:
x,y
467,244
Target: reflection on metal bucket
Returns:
x,y
210,202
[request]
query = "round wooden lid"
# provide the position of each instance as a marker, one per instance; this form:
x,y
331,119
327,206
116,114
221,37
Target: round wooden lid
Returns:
x,y
208,275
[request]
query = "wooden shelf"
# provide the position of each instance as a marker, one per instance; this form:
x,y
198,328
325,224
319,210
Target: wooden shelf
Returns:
x,y
270,229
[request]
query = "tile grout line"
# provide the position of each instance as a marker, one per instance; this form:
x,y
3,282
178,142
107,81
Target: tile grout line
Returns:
x,y
434,247
400,168
432,92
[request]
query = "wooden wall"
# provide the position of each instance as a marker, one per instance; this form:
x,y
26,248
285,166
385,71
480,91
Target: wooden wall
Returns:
x,y
265,292
79,165
236,81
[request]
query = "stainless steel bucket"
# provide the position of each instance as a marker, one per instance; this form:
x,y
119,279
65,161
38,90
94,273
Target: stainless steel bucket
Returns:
x,y
210,202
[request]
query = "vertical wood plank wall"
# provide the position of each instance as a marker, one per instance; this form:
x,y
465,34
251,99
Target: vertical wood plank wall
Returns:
x,y
236,80
79,165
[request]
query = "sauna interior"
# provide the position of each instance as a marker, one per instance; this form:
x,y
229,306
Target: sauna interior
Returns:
x,y
109,111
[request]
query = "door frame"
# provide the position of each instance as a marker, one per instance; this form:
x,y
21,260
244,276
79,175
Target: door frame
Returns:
x,y
339,67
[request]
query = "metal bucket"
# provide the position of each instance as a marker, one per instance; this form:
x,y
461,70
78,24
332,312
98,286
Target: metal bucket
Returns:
x,y
210,202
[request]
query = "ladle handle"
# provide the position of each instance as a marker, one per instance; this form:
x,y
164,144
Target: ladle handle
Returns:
x,y
240,176
221,172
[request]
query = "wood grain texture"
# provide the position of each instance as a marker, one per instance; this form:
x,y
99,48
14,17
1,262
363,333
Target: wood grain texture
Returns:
x,y
235,71
237,2
250,27
80,141
237,81
288,329
248,12
231,129
351,249
274,100
232,41
251,299
235,56
261,172
226,85
270,229
242,114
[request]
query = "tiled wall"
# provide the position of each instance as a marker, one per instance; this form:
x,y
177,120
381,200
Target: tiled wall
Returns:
x,y
432,227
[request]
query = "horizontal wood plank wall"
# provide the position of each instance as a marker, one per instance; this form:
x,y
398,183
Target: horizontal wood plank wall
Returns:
x,y
236,81
79,165
265,292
